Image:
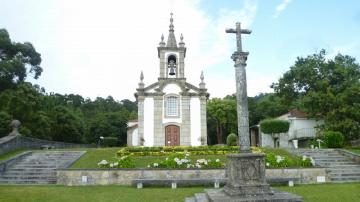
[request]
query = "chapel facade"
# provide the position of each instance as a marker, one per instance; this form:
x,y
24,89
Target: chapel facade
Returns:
x,y
171,111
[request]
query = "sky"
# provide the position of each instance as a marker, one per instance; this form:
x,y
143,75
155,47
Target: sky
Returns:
x,y
98,48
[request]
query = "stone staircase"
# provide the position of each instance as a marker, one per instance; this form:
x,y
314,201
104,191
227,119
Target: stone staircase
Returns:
x,y
339,167
39,167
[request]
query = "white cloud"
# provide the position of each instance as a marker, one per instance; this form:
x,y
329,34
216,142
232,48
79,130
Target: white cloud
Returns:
x,y
98,48
281,7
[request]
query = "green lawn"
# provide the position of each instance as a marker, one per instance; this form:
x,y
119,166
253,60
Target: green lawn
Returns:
x,y
327,192
53,193
95,155
356,149
11,154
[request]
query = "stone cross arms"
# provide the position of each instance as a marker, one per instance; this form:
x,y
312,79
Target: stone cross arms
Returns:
x,y
238,31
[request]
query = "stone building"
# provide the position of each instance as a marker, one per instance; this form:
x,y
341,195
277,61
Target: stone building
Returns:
x,y
301,130
171,111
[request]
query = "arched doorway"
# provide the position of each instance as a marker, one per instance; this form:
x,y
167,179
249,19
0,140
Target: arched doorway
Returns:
x,y
172,135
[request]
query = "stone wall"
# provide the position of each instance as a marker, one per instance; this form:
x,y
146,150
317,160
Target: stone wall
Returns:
x,y
14,142
72,177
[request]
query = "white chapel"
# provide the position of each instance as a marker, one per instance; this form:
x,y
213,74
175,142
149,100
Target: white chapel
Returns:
x,y
171,112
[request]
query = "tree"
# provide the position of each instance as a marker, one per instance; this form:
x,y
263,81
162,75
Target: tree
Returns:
x,y
16,61
221,112
327,89
68,126
109,124
5,120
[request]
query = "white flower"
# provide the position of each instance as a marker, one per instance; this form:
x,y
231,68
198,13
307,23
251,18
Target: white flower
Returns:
x,y
188,165
312,161
267,164
103,162
148,166
304,158
176,159
116,164
187,154
279,159
167,159
217,160
111,165
156,164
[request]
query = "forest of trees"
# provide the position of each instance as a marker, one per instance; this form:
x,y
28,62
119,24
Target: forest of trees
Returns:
x,y
327,89
52,116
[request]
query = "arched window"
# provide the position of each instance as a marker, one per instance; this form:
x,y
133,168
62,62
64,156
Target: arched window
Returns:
x,y
172,106
172,66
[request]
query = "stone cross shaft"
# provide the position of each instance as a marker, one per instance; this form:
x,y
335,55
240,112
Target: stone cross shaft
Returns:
x,y
240,58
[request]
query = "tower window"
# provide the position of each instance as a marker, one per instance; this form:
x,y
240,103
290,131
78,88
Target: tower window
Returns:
x,y
172,106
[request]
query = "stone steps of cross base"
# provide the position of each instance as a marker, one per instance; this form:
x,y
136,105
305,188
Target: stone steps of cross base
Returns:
x,y
201,197
27,181
29,172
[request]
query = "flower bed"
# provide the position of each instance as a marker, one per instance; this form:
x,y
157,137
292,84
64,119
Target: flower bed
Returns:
x,y
195,157
164,151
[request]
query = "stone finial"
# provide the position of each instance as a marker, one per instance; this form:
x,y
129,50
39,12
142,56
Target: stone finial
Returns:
x,y
171,42
181,43
162,42
171,22
141,76
141,83
15,125
202,83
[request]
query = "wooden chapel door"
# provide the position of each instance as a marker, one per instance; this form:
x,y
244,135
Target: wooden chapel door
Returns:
x,y
172,135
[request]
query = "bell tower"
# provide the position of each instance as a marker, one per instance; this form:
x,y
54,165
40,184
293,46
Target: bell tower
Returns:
x,y
171,55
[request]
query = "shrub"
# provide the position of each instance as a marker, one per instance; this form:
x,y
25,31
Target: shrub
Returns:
x,y
182,160
123,162
334,139
232,139
277,161
274,126
307,161
164,151
109,142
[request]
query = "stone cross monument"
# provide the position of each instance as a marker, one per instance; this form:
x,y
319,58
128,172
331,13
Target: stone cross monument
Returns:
x,y
240,58
245,171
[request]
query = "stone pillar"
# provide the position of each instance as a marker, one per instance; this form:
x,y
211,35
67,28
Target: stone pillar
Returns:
x,y
242,102
203,120
141,119
185,126
181,64
162,64
159,137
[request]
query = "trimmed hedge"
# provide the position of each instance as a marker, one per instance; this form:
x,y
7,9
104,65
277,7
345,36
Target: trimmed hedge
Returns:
x,y
163,151
274,126
232,139
334,139
109,142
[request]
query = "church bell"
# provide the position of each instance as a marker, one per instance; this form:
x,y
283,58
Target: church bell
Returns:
x,y
172,68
